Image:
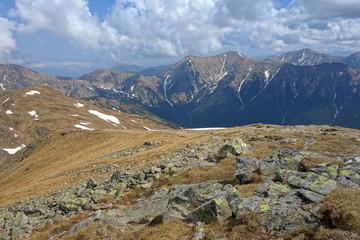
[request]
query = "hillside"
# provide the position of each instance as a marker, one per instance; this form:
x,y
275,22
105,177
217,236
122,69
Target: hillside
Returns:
x,y
226,90
30,113
231,183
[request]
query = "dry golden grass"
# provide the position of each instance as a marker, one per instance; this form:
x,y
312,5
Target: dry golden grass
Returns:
x,y
334,234
244,227
60,154
341,209
172,230
57,227
247,190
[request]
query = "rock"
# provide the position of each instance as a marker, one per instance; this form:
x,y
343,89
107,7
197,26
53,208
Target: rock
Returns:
x,y
81,225
245,168
351,172
310,195
145,212
216,210
91,184
309,181
155,170
236,147
326,171
146,185
288,141
285,159
352,159
272,189
310,142
199,235
286,219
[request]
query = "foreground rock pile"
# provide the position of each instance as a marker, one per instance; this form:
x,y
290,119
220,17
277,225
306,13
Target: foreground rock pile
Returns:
x,y
288,201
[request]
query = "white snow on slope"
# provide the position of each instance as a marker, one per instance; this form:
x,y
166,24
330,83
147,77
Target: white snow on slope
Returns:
x,y
133,121
11,128
8,112
205,129
79,105
108,118
83,127
5,100
2,86
33,113
32,92
147,128
12,151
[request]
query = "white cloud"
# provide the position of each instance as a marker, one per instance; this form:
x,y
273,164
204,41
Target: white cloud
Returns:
x,y
8,43
158,28
64,18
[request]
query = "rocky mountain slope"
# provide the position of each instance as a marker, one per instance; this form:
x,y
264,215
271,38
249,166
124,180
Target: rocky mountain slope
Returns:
x,y
225,90
308,57
30,113
253,182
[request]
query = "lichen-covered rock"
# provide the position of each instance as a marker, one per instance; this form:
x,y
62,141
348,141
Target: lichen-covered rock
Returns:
x,y
329,171
236,147
286,219
307,180
272,189
216,210
351,172
245,168
285,159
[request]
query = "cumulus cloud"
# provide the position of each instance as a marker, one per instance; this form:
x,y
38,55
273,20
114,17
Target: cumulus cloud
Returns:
x,y
158,28
8,43
64,18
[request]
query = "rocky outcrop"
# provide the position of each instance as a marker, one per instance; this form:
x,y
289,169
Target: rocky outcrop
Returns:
x,y
287,202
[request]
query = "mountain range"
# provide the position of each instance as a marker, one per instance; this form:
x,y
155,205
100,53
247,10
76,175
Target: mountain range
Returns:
x,y
230,89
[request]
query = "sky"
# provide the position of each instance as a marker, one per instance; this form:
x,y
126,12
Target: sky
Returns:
x,y
73,37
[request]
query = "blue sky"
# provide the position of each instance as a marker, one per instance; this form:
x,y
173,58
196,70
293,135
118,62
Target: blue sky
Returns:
x,y
67,37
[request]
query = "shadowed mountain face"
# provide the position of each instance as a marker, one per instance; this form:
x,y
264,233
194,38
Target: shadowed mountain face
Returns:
x,y
225,90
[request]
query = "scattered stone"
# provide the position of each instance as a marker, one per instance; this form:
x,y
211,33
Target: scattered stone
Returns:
x,y
288,141
245,168
216,210
236,147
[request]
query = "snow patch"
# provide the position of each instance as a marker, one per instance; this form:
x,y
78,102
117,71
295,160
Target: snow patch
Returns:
x,y
15,135
79,105
83,127
32,92
33,113
2,86
11,129
147,128
206,129
108,118
12,151
133,121
85,123
8,112
5,100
